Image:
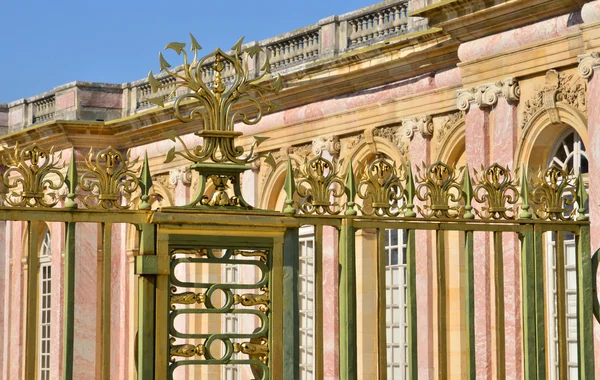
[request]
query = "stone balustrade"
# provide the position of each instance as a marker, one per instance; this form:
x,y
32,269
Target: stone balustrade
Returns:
x,y
377,25
289,51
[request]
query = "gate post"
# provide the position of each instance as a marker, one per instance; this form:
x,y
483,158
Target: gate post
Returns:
x,y
146,302
348,351
585,313
291,309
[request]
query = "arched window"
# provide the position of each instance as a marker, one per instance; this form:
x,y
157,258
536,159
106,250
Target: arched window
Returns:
x,y
569,154
45,297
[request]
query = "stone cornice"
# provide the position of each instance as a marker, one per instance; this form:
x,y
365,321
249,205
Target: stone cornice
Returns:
x,y
467,20
487,95
423,124
588,63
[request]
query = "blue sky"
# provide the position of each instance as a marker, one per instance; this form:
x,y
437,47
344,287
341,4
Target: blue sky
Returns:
x,y
46,43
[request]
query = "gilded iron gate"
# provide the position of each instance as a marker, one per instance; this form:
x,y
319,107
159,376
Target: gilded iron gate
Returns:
x,y
219,228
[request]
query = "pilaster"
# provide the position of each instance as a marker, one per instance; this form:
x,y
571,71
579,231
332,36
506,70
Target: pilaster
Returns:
x,y
588,67
420,149
329,148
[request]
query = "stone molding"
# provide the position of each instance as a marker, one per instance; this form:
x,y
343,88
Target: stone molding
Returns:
x,y
486,96
423,124
329,144
588,63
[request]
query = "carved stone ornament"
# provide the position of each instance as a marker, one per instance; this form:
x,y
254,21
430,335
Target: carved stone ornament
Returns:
x,y
449,122
391,134
487,95
423,124
180,174
558,87
587,64
330,144
353,141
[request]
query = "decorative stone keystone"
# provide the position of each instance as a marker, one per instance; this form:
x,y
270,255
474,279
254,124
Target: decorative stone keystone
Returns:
x,y
487,95
423,124
588,63
330,144
180,174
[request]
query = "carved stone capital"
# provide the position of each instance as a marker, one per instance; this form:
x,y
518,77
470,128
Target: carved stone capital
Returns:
x,y
487,95
588,63
423,124
330,144
180,174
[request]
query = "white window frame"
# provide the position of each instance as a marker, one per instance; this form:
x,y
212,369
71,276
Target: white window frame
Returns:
x,y
396,307
306,301
45,307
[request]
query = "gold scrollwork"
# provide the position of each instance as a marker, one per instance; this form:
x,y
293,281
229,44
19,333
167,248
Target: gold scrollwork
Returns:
x,y
220,196
201,252
262,254
554,193
257,349
439,189
380,188
185,298
250,299
184,350
29,174
495,190
110,180
214,105
319,182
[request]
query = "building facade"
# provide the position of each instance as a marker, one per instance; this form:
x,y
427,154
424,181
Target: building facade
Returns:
x,y
461,82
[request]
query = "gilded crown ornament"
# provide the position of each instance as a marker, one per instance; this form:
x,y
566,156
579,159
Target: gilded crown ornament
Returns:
x,y
218,91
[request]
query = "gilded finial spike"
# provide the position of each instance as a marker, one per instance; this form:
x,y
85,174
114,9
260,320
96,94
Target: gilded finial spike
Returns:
x,y
145,184
163,62
71,182
290,189
468,194
350,189
409,192
524,214
582,199
195,46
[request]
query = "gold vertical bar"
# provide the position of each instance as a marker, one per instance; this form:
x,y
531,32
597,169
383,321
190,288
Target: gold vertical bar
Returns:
x,y
276,328
441,306
381,302
318,266
499,296
105,301
32,301
162,311
561,305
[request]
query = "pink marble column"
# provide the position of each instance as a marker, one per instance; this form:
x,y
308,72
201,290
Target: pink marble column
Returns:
x,y
86,297
4,297
593,152
331,341
420,152
17,303
477,149
504,141
119,339
57,245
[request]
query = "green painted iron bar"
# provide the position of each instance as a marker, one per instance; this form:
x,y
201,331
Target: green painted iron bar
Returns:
x,y
69,301
31,347
528,305
499,298
291,307
441,306
561,305
276,322
585,314
146,308
411,305
318,267
540,328
347,300
434,226
381,303
69,215
105,306
470,306
161,362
